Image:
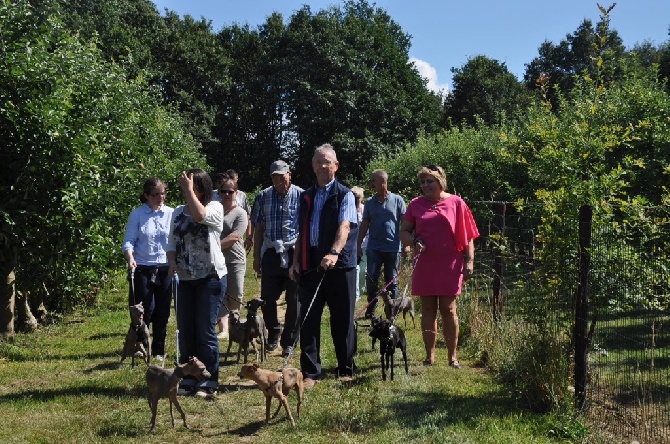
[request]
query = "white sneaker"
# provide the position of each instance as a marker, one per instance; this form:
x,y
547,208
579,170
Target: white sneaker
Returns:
x,y
223,335
205,393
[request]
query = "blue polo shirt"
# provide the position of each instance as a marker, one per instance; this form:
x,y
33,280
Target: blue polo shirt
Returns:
x,y
384,222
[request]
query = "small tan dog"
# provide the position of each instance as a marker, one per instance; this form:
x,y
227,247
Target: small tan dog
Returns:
x,y
138,342
275,385
163,383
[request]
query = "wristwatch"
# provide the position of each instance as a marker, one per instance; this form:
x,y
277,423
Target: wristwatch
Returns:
x,y
334,251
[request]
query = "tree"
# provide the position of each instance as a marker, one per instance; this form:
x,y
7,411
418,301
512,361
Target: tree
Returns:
x,y
79,138
483,88
563,64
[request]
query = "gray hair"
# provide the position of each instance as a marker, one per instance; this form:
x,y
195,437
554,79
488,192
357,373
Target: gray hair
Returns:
x,y
325,148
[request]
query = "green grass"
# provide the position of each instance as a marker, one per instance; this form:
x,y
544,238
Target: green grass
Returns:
x,y
65,384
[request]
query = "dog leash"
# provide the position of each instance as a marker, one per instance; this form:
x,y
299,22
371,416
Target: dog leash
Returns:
x,y
395,279
404,292
175,288
295,342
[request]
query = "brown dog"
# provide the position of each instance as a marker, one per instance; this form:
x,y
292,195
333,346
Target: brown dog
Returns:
x,y
164,382
275,385
138,343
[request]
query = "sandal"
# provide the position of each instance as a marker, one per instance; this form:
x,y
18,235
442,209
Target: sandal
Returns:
x,y
455,364
428,362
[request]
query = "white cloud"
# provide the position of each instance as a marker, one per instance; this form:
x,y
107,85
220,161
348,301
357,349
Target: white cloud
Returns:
x,y
429,73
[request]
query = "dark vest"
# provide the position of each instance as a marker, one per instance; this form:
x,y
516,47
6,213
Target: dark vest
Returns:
x,y
328,225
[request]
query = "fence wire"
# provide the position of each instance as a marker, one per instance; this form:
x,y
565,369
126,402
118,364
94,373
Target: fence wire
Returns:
x,y
628,343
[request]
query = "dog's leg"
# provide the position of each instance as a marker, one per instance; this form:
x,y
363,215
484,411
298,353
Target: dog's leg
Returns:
x,y
382,359
403,348
276,411
300,390
153,405
284,402
173,398
268,403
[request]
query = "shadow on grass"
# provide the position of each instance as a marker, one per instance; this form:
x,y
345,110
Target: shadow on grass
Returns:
x,y
246,430
75,392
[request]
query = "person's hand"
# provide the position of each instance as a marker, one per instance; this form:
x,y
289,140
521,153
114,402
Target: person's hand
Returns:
x,y
132,264
294,272
467,272
185,181
172,270
419,245
248,242
328,262
405,251
257,266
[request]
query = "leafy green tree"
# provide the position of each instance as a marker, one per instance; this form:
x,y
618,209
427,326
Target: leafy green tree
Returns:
x,y
126,30
562,64
79,139
483,88
353,86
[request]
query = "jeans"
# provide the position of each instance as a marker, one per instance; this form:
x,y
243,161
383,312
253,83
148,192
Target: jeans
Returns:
x,y
376,259
197,305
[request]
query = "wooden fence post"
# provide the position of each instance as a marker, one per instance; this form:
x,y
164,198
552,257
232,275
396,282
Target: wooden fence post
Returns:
x,y
580,334
498,262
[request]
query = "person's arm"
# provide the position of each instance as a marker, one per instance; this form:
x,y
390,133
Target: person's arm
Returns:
x,y
259,230
294,271
195,208
329,260
407,236
469,261
362,231
132,231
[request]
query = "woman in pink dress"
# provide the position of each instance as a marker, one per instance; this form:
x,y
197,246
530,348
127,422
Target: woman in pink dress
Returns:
x,y
441,228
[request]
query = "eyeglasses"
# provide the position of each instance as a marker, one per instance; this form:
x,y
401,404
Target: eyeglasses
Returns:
x,y
226,191
157,194
433,168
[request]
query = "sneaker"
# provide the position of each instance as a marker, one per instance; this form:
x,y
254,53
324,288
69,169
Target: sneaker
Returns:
x,y
272,346
288,351
223,335
205,393
186,390
455,364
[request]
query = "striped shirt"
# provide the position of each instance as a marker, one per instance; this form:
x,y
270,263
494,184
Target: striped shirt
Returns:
x,y
347,211
277,213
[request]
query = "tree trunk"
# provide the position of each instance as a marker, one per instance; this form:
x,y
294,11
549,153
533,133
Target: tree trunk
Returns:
x,y
25,321
7,294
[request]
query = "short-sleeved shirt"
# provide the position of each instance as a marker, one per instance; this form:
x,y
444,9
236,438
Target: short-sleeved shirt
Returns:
x,y
197,245
235,220
277,213
384,222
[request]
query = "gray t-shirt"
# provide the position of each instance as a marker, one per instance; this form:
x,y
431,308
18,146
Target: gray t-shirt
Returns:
x,y
235,220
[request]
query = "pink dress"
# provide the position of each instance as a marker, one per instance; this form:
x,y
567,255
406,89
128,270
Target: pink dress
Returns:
x,y
446,228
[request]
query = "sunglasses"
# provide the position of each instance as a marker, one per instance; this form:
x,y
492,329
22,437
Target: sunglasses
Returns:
x,y
157,194
226,191
433,168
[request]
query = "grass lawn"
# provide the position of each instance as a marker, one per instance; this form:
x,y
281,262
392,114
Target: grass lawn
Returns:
x,y
65,384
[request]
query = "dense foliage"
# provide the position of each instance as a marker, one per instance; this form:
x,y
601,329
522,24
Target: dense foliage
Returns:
x,y
79,139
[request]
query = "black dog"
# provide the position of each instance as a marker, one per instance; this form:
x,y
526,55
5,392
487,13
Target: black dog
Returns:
x,y
390,337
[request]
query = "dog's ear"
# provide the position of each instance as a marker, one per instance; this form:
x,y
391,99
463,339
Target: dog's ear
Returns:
x,y
255,366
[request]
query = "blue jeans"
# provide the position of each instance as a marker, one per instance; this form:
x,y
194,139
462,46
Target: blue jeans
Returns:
x,y
390,262
197,305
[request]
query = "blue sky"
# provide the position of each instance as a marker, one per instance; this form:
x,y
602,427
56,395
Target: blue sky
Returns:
x,y
446,33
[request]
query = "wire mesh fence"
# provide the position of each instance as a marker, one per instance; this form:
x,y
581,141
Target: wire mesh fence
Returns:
x,y
617,288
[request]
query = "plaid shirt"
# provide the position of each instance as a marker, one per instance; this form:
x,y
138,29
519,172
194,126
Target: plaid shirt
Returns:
x,y
279,214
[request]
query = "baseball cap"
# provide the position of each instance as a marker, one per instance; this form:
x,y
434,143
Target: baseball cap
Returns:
x,y
279,167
